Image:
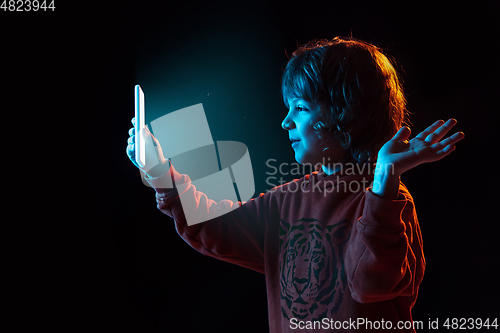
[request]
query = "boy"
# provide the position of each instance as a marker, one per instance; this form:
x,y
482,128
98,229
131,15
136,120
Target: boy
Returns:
x,y
336,255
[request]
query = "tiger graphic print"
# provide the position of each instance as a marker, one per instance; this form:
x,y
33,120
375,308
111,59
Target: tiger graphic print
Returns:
x,y
313,280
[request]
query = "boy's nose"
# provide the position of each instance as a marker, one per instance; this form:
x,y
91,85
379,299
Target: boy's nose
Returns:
x,y
287,123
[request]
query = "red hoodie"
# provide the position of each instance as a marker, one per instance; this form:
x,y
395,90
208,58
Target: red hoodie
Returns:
x,y
336,256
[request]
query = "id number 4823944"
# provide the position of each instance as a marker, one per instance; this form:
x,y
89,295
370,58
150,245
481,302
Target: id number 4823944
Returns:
x,y
27,5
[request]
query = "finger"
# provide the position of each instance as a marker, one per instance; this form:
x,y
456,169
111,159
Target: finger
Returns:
x,y
403,134
422,135
133,121
146,133
131,140
439,133
444,152
452,140
131,151
131,131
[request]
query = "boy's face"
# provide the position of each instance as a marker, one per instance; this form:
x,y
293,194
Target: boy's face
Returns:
x,y
305,141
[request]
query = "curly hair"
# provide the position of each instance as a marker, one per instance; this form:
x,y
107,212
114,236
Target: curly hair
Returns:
x,y
362,99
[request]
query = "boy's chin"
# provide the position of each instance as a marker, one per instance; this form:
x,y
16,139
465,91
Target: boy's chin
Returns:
x,y
301,159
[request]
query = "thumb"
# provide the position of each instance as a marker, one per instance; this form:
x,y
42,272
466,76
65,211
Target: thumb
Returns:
x,y
403,134
150,135
146,133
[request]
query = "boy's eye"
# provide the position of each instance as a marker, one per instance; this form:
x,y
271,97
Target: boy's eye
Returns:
x,y
299,108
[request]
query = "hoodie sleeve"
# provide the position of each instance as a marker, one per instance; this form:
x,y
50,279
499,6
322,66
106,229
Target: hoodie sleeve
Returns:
x,y
385,258
232,231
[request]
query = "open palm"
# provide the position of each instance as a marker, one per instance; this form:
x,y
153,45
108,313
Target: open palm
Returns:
x,y
403,155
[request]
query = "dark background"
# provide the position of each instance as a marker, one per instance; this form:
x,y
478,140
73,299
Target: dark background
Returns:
x,y
229,56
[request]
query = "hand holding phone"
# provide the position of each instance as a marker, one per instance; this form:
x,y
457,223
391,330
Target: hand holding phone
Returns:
x,y
143,148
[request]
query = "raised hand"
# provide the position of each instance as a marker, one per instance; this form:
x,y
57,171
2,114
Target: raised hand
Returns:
x,y
399,155
425,147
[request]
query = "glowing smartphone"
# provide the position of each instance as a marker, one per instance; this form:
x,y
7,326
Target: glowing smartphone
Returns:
x,y
140,117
